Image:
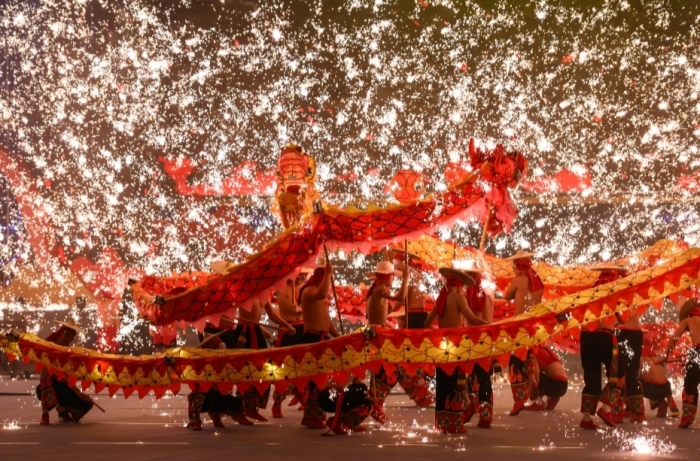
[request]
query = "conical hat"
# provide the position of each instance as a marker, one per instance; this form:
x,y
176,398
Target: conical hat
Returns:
x,y
687,308
225,319
448,272
520,254
609,267
70,323
209,336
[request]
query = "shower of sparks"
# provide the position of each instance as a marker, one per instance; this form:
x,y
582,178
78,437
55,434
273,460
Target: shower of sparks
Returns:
x,y
12,426
98,96
642,442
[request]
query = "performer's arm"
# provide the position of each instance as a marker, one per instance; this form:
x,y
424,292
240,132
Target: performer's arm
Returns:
x,y
274,316
682,327
468,314
431,318
332,330
324,288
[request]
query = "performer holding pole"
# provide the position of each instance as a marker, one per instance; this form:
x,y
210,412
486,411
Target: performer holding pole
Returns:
x,y
378,298
335,295
290,312
451,401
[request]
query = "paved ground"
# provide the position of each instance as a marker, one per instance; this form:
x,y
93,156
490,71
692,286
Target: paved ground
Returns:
x,y
153,430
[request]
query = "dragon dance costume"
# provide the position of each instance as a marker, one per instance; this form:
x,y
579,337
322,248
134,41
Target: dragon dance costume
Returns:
x,y
518,369
70,404
285,339
247,336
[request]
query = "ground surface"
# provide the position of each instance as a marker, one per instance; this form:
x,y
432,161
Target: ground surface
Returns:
x,y
152,430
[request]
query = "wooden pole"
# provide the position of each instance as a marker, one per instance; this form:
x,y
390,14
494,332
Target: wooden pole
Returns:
x,y
335,296
486,225
405,299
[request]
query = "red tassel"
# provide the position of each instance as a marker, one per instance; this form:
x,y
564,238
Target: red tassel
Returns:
x,y
128,390
113,389
99,387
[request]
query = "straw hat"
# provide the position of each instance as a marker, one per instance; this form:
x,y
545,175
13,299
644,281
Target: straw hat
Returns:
x,y
687,308
448,272
386,267
307,270
609,267
209,336
70,323
520,254
471,267
226,320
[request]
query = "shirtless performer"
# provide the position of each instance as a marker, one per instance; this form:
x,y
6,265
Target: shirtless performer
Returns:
x,y
451,306
689,321
526,291
480,387
248,334
378,298
655,384
289,311
213,401
599,347
312,298
71,404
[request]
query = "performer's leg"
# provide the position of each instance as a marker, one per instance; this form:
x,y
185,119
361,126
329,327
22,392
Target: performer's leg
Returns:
x,y
590,363
518,385
382,385
690,387
277,399
195,402
485,393
450,401
533,374
48,399
314,416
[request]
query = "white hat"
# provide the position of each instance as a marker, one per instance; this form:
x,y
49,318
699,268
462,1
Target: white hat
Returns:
x,y
520,254
386,267
70,323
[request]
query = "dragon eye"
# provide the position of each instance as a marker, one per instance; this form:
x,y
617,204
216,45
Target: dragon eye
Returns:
x,y
418,186
309,171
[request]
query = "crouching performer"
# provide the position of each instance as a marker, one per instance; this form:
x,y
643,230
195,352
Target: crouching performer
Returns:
x,y
551,380
213,401
350,407
689,321
247,333
451,400
70,404
655,384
